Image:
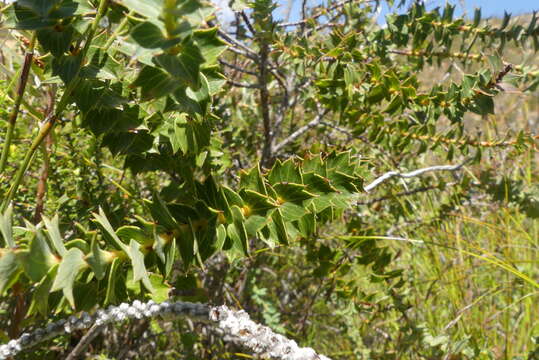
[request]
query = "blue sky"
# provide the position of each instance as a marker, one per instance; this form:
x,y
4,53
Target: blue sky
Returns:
x,y
489,8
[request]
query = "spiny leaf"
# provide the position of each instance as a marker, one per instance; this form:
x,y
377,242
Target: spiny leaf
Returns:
x,y
285,172
39,259
72,263
98,260
112,279
40,300
53,229
9,269
150,36
137,261
101,218
6,226
238,233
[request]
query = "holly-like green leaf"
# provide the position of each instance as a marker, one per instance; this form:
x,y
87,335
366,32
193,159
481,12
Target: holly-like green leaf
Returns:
x,y
80,244
161,213
39,259
291,211
139,269
253,180
9,269
53,230
39,7
161,290
38,14
67,67
318,184
177,133
95,94
195,11
210,45
231,196
184,68
186,240
216,80
40,300
155,83
307,225
126,233
483,105
98,260
6,227
238,233
72,263
126,143
150,36
113,278
292,192
255,223
280,227
220,237
170,258
102,220
257,203
151,8
285,172
56,40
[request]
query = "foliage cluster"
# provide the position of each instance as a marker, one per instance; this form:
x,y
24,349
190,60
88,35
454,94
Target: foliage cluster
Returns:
x,y
150,153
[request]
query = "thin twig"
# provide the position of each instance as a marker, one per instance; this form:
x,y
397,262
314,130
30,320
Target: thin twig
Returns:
x,y
49,122
303,15
321,13
43,177
240,52
316,121
247,22
18,99
237,68
291,104
247,52
265,102
85,341
243,85
381,179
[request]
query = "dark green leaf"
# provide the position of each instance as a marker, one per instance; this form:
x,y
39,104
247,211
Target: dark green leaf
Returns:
x,y
155,83
56,40
150,36
98,260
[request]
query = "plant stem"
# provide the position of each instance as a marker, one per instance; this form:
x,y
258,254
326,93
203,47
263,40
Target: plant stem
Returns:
x,y
43,177
18,99
49,122
20,310
118,30
85,341
43,132
264,103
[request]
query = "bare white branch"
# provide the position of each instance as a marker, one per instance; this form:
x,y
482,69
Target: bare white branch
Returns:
x,y
236,325
260,339
388,175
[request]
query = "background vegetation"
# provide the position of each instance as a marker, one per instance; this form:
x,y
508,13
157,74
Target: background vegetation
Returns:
x,y
154,154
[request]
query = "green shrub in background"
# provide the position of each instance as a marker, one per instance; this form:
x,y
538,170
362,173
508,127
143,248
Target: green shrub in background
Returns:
x,y
149,154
